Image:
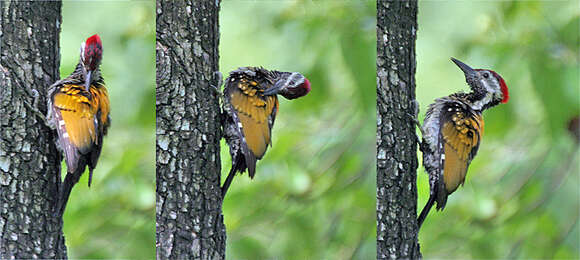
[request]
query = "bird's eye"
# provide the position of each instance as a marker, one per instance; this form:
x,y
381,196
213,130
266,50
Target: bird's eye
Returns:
x,y
486,75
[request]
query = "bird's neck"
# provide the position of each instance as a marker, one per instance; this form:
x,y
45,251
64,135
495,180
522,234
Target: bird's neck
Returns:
x,y
78,75
481,101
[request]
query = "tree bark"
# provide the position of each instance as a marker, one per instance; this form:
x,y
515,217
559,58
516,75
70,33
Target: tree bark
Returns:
x,y
29,159
189,214
396,138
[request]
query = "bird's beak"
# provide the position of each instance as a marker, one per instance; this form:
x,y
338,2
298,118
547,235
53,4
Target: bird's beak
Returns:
x,y
88,80
274,89
464,67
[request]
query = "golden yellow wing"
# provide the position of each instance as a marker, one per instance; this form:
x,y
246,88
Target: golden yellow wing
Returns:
x,y
101,100
461,135
256,114
77,113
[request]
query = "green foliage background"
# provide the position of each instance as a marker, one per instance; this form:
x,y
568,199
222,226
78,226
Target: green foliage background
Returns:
x,y
115,218
314,193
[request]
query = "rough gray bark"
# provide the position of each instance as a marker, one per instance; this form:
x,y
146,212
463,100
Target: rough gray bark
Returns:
x,y
189,214
29,159
396,141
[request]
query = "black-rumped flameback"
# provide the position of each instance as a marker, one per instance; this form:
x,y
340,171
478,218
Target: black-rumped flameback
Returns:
x,y
251,105
452,132
79,109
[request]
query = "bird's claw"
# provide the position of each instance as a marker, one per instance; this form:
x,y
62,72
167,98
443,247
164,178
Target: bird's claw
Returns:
x,y
220,81
34,107
418,124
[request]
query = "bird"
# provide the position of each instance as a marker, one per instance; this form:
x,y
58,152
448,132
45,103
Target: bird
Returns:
x,y
250,109
79,109
452,132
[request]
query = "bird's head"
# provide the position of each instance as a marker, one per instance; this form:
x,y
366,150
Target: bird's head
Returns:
x,y
290,85
485,82
91,55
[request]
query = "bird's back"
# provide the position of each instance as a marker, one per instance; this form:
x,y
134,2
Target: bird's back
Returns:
x,y
82,119
452,133
250,114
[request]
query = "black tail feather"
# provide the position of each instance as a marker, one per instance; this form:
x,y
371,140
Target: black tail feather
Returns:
x,y
425,211
90,176
228,181
69,181
237,165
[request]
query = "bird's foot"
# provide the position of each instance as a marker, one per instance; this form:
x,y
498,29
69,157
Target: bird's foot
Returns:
x,y
418,124
219,77
34,107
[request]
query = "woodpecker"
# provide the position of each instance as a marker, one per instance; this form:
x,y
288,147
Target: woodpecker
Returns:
x,y
452,132
251,105
79,109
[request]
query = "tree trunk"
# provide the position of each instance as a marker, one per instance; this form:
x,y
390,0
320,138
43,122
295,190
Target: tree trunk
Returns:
x,y
189,214
396,141
29,159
